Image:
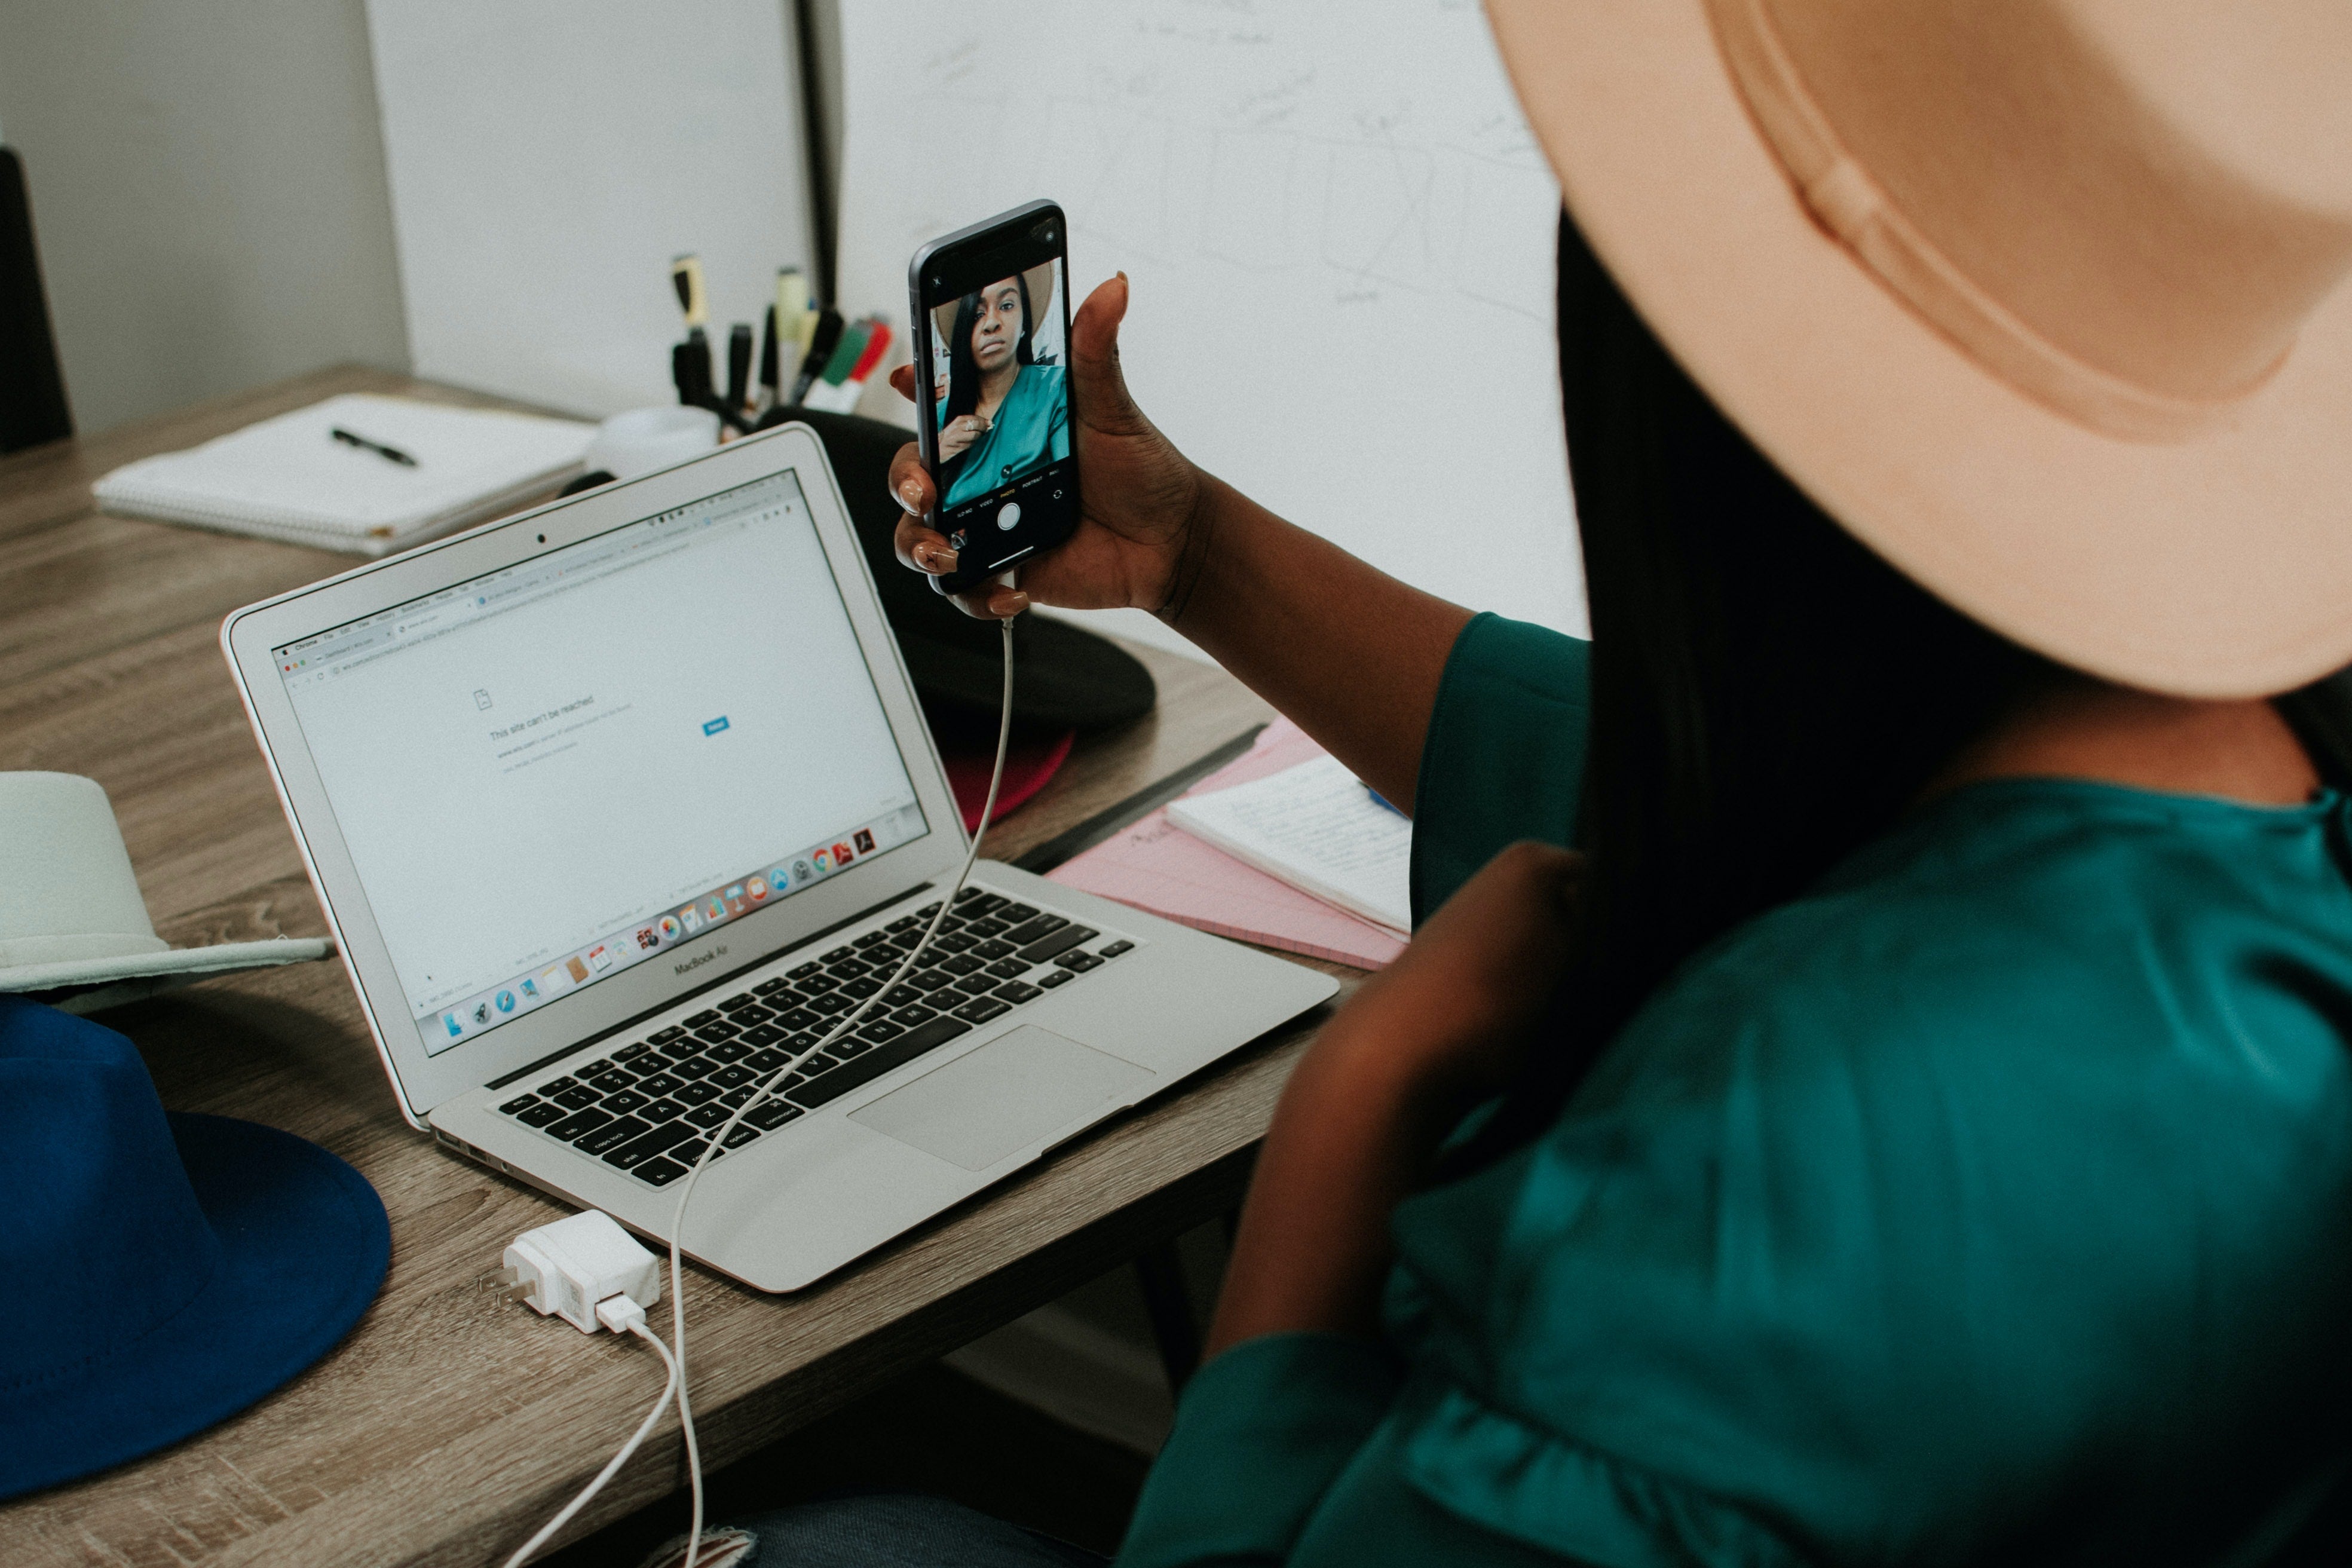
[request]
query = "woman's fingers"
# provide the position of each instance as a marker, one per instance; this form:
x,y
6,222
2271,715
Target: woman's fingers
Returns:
x,y
903,379
918,544
921,548
992,602
910,485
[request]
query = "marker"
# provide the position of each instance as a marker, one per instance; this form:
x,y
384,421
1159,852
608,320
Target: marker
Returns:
x,y
768,372
810,313
689,362
877,344
738,366
840,395
847,352
1381,801
390,454
821,342
685,278
791,309
689,371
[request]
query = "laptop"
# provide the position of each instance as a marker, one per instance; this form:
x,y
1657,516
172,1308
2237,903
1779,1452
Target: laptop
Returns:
x,y
615,806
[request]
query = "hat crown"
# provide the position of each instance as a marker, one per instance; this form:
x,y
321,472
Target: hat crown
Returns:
x,y
96,1214
2124,208
67,889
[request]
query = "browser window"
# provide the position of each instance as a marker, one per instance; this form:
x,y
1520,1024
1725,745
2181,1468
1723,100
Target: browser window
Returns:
x,y
552,771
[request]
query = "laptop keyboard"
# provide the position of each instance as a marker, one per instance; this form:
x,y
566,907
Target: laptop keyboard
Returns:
x,y
650,1107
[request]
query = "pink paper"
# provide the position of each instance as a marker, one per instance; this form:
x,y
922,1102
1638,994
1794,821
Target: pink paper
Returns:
x,y
1159,867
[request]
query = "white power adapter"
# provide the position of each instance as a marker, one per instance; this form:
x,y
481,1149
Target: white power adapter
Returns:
x,y
591,1273
569,1267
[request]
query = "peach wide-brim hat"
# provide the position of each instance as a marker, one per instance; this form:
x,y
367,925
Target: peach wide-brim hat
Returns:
x,y
1040,281
2044,300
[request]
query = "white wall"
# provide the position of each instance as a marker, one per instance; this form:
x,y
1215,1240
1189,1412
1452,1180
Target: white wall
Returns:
x,y
1338,233
208,194
547,159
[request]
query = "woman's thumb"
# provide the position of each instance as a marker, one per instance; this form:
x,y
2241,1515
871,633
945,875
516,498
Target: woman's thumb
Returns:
x,y
1100,387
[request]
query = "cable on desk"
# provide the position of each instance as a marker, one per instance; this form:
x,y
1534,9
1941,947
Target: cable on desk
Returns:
x,y
625,1315
848,1021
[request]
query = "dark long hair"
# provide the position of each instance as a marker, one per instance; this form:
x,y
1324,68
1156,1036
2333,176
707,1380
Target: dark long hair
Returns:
x,y
1767,694
964,370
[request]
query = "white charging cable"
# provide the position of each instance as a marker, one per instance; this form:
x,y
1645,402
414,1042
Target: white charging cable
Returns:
x,y
592,1274
621,1315
596,1276
848,1021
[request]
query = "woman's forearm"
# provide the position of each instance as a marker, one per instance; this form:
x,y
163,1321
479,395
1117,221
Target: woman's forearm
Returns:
x,y
1349,1140
1443,1028
1352,655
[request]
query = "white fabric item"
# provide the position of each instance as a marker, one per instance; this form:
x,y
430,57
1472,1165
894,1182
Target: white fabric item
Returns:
x,y
71,916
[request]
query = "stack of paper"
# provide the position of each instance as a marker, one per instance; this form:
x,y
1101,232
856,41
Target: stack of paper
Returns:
x,y
1319,828
1158,866
292,479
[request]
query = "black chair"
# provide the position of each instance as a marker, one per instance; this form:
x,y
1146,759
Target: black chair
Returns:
x,y
31,390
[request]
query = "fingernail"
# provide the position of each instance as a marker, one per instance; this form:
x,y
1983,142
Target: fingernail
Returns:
x,y
931,558
911,496
1008,604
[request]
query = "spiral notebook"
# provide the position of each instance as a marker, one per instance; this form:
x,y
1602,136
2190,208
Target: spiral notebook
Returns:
x,y
291,479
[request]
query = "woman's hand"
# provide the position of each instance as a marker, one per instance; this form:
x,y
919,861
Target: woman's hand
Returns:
x,y
958,433
1139,493
1443,1027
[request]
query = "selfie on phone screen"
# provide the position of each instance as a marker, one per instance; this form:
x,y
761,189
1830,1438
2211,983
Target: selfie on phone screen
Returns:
x,y
1002,412
992,311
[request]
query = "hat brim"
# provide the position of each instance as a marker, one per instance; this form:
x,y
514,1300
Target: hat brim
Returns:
x,y
1065,677
2217,566
1040,281
304,1245
173,963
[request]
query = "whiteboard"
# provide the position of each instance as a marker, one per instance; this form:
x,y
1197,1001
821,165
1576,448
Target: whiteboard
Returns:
x,y
547,158
1338,231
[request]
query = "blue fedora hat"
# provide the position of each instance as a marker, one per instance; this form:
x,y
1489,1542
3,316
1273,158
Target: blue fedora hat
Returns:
x,y
172,1269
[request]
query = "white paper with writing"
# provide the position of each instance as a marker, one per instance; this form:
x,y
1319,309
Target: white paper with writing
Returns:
x,y
1318,829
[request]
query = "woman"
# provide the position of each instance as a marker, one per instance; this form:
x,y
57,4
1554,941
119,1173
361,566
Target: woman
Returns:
x,y
1002,414
1917,1126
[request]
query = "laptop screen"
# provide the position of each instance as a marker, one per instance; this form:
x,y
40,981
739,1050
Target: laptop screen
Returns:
x,y
552,771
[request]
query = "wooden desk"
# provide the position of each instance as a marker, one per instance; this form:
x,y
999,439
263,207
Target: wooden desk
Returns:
x,y
450,1424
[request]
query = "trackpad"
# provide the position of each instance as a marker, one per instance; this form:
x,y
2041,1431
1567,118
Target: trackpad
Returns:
x,y
1002,1098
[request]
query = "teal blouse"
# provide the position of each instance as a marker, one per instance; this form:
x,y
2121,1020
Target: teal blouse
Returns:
x,y
1031,426
1990,1203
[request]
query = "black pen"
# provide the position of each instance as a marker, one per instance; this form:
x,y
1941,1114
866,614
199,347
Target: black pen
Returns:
x,y
352,438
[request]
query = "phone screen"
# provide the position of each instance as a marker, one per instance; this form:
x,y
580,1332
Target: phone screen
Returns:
x,y
992,307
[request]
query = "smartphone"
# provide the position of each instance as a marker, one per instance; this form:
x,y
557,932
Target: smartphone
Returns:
x,y
990,306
